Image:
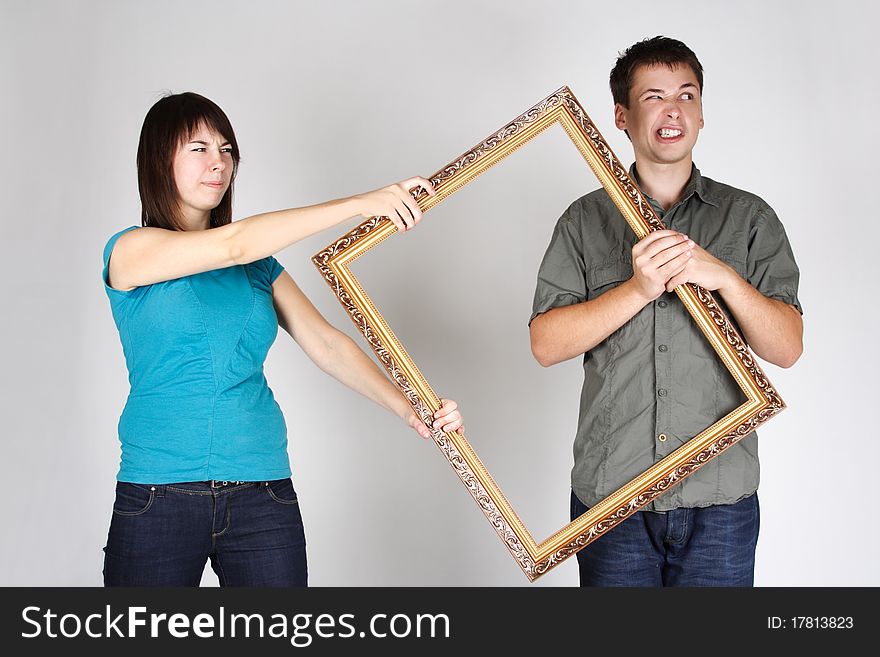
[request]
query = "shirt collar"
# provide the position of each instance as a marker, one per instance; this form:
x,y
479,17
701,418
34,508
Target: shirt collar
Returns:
x,y
695,186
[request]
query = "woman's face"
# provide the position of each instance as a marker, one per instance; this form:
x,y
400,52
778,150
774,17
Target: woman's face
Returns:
x,y
202,171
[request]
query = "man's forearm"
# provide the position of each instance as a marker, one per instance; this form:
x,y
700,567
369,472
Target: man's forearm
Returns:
x,y
569,331
773,329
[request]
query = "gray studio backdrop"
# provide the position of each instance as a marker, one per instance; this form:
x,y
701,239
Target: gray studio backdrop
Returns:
x,y
333,98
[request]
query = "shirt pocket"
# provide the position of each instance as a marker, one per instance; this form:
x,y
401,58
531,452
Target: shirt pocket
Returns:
x,y
601,278
728,255
607,276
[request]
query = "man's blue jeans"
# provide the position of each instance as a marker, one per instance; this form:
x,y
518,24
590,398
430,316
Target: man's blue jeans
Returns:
x,y
162,535
710,546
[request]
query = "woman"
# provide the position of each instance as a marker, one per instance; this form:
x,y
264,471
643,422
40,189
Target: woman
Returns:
x,y
197,301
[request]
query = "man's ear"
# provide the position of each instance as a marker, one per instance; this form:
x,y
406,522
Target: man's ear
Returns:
x,y
620,116
620,119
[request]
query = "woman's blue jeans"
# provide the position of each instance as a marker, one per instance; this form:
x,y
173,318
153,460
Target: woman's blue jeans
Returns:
x,y
709,546
162,535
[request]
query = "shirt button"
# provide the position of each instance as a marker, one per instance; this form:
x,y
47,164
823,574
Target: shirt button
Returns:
x,y
662,392
662,437
662,304
662,348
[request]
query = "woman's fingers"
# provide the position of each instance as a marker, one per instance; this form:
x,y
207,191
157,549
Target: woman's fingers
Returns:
x,y
403,190
406,208
447,418
447,406
417,181
415,212
396,219
397,203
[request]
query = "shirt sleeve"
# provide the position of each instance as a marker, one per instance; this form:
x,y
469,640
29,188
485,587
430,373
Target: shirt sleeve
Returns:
x,y
562,277
772,269
274,269
105,274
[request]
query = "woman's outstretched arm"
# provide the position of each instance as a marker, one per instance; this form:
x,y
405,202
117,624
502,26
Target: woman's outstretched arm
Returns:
x,y
151,255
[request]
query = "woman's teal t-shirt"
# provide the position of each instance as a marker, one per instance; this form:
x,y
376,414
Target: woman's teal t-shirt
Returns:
x,y
199,406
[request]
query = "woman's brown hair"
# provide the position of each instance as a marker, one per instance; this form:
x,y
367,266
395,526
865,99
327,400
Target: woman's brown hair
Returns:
x,y
170,122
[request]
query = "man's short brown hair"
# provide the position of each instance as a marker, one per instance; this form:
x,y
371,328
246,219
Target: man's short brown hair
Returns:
x,y
657,51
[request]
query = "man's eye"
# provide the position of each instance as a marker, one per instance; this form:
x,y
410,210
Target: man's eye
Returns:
x,y
228,149
687,96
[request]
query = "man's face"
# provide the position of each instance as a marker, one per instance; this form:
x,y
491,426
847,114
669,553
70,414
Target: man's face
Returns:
x,y
665,114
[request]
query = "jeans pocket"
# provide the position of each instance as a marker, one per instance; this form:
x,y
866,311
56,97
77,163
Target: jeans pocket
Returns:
x,y
281,491
133,499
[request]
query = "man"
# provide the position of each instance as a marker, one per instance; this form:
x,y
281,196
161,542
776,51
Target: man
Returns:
x,y
651,379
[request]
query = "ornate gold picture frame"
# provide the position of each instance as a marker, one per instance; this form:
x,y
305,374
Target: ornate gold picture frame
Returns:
x,y
560,107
